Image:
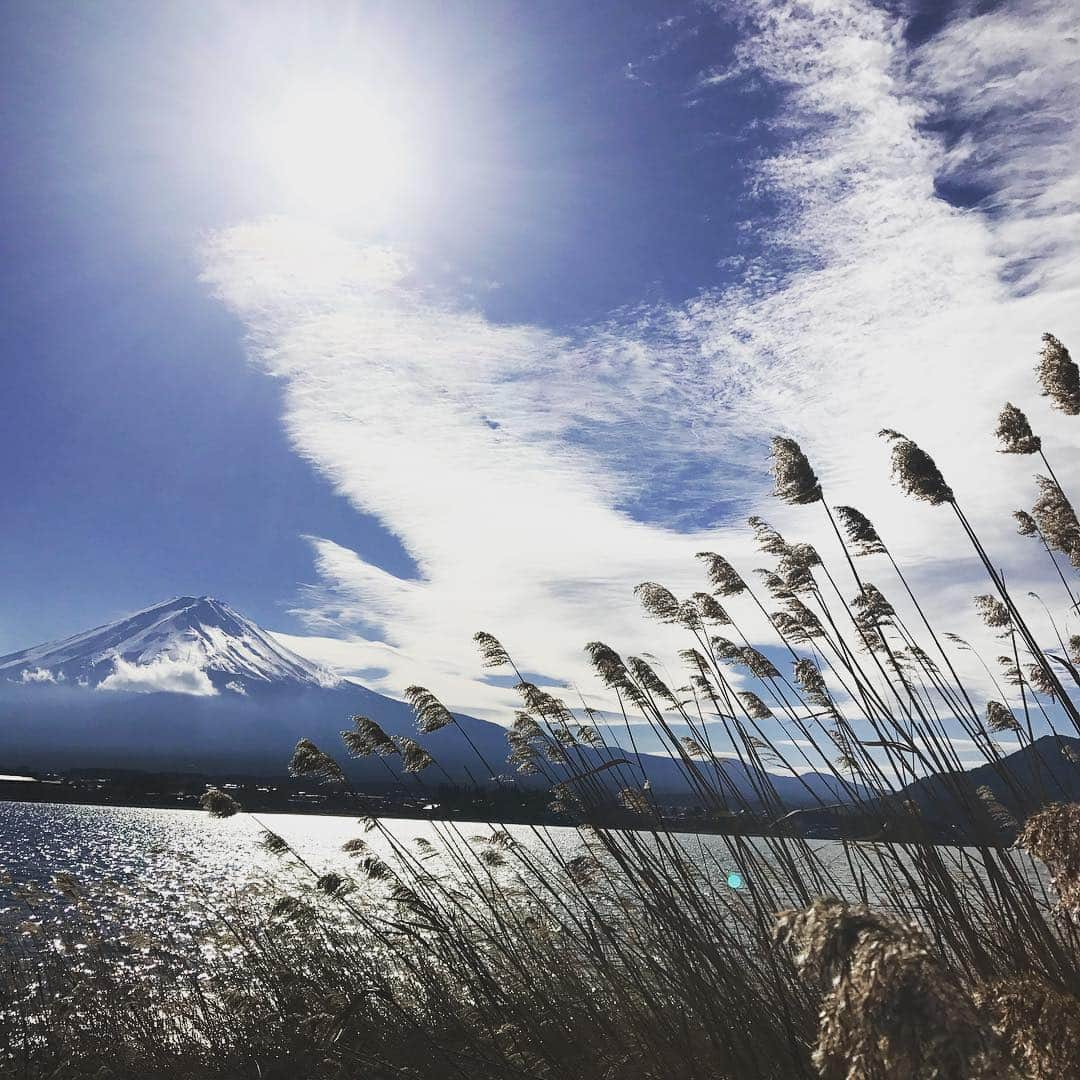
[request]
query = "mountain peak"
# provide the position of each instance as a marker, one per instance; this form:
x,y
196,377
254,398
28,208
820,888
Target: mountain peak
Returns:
x,y
189,644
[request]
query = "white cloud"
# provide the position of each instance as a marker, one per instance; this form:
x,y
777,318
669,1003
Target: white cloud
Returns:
x,y
160,676
504,456
40,675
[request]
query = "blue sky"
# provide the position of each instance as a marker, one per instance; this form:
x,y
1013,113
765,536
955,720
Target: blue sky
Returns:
x,y
523,345
146,457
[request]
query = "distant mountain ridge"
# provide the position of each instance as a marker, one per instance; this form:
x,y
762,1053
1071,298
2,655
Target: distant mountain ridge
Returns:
x,y
1046,770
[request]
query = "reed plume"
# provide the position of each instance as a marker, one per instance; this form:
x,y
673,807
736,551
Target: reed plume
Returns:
x,y
1040,680
612,671
1038,1025
756,662
1056,519
1059,376
218,803
872,606
272,843
1014,432
1053,836
798,630
915,472
756,708
997,811
414,758
795,481
492,653
993,612
710,609
333,884
431,713
367,737
812,683
723,577
1025,523
768,539
891,1008
861,534
659,602
309,760
1000,718
634,800
693,747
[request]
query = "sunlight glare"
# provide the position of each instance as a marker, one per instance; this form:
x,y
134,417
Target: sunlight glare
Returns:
x,y
337,151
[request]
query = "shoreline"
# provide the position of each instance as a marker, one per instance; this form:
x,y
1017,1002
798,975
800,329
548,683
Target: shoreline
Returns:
x,y
462,816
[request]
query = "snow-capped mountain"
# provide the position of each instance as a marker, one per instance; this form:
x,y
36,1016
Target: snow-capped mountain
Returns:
x,y
191,684
188,645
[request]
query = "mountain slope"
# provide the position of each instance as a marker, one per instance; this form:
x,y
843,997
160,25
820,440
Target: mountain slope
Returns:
x,y
1048,770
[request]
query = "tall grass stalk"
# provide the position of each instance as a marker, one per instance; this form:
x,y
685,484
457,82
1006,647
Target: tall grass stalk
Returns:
x,y
621,947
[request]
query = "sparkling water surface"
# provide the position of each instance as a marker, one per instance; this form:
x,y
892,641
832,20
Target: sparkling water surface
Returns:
x,y
152,875
180,853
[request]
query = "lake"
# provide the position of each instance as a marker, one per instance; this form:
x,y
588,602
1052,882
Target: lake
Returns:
x,y
154,876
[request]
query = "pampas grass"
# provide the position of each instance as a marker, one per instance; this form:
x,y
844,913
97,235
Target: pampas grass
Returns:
x,y
619,948
1053,836
890,1007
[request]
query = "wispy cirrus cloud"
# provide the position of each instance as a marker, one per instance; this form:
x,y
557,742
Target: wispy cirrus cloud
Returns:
x,y
536,476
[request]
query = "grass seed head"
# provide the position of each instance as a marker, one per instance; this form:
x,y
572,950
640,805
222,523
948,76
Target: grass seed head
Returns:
x,y
768,539
1053,836
431,713
710,609
755,707
273,843
1000,718
1041,681
723,577
890,1008
218,803
915,471
993,612
1056,519
794,479
812,683
367,737
309,760
492,653
1037,1025
1025,523
861,534
659,602
1015,432
1059,376
414,758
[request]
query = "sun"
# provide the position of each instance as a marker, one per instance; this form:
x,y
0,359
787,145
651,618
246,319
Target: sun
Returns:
x,y
337,151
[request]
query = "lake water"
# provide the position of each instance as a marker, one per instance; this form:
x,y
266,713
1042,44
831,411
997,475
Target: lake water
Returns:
x,y
151,875
180,854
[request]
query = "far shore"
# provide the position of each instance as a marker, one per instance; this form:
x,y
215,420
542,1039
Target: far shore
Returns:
x,y
284,796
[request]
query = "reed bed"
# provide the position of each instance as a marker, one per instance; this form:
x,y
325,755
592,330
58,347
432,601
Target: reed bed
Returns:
x,y
631,952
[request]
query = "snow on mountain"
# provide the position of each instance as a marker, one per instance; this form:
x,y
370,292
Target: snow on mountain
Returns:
x,y
192,645
227,695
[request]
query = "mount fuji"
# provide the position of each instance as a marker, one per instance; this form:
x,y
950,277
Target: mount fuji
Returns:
x,y
192,685
189,645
